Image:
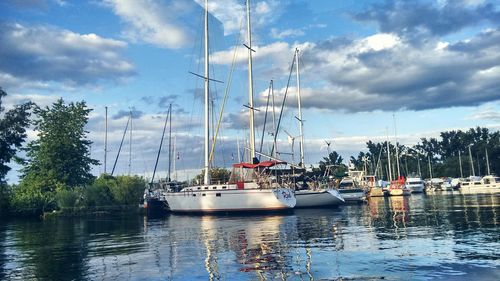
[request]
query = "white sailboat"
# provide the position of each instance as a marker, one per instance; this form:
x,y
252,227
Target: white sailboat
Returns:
x,y
311,197
251,187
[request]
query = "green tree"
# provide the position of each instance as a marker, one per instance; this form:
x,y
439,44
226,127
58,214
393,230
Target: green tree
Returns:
x,y
61,152
12,132
58,160
216,174
334,161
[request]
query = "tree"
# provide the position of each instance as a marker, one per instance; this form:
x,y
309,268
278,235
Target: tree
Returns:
x,y
216,174
12,132
335,160
61,154
58,160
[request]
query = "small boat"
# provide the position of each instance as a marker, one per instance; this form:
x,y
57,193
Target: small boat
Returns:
x,y
416,185
350,191
487,185
398,188
307,198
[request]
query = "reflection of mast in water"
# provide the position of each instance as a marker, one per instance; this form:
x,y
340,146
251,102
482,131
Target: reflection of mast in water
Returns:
x,y
209,234
400,208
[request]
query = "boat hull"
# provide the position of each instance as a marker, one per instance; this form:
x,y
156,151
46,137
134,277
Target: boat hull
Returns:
x,y
231,200
480,189
399,192
318,198
353,195
376,192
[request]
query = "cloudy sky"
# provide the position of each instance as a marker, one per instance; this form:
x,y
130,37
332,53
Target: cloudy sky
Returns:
x,y
366,68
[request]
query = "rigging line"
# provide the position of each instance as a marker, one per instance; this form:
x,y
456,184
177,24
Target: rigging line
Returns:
x,y
265,120
226,94
120,148
161,144
283,103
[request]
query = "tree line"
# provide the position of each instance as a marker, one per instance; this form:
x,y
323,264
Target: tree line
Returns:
x,y
456,153
56,168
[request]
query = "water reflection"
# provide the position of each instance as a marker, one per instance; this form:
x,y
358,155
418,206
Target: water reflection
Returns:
x,y
399,238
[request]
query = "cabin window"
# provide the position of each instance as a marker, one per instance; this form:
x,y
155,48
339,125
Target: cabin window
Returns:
x,y
487,181
224,187
194,195
217,195
214,187
199,188
203,194
477,183
206,187
465,183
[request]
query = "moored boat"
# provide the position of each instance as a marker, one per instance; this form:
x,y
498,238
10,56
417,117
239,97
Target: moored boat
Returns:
x,y
487,185
318,198
416,185
398,188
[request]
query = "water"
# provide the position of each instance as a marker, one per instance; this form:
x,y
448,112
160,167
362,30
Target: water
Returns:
x,y
439,237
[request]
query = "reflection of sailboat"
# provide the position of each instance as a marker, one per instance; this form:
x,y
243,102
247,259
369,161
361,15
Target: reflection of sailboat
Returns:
x,y
250,189
400,207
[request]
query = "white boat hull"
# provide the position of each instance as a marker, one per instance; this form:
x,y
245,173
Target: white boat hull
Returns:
x,y
480,189
416,188
353,195
231,200
317,198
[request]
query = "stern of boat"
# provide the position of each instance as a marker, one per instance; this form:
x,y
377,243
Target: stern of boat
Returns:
x,y
285,196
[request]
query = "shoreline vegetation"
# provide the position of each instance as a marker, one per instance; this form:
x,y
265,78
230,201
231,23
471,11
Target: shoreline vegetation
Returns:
x,y
55,178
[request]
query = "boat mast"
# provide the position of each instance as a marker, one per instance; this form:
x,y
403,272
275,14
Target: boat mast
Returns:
x,y
460,162
487,161
388,155
105,138
397,149
169,141
301,124
430,167
274,119
207,101
130,147
471,163
250,84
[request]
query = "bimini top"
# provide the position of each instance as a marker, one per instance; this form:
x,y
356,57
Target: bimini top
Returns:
x,y
264,164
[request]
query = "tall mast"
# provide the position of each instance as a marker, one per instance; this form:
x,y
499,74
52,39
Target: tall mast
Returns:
x,y
460,162
207,101
274,118
487,161
471,163
389,156
105,138
430,167
250,84
130,147
169,141
397,149
301,124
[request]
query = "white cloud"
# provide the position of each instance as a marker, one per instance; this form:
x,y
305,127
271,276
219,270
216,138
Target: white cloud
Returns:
x,y
153,22
36,56
275,33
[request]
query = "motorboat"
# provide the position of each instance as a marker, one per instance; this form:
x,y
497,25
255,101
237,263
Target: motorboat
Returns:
x,y
416,185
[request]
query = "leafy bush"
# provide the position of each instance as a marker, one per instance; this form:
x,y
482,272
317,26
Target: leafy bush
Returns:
x,y
26,201
68,198
128,190
99,194
4,198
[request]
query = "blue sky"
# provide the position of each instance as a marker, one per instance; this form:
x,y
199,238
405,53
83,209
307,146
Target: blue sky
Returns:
x,y
434,65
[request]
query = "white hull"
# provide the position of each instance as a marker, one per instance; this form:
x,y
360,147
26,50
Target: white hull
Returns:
x,y
353,195
324,197
416,188
231,200
480,189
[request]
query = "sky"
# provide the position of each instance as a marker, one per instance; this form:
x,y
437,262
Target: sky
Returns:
x,y
369,70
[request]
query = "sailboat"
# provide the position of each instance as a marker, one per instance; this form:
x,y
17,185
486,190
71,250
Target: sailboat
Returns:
x,y
310,197
251,186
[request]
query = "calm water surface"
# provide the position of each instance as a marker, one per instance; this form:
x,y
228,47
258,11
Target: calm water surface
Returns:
x,y
439,237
